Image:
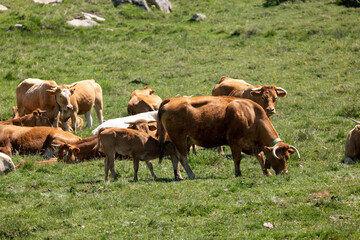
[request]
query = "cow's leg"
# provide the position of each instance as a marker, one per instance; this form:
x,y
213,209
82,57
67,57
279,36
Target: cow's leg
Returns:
x,y
73,120
106,168
185,164
236,154
176,167
136,168
111,164
88,119
99,112
150,166
220,150
56,120
260,158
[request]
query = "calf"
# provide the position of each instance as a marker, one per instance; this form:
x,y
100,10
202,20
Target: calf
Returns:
x,y
138,145
352,146
82,150
265,96
33,139
36,118
143,101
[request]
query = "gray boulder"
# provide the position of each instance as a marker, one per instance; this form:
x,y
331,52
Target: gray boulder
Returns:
x,y
48,1
6,165
82,23
163,5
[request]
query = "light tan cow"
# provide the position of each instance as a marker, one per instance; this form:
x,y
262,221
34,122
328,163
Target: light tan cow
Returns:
x,y
210,121
46,95
265,96
138,145
143,100
36,118
352,146
33,139
88,94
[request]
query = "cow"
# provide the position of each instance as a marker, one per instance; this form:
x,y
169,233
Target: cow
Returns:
x,y
39,118
143,100
36,118
46,95
352,146
124,122
138,145
88,94
211,121
81,150
33,139
265,96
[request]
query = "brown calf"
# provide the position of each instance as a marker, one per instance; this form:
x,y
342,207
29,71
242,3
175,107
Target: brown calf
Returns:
x,y
36,118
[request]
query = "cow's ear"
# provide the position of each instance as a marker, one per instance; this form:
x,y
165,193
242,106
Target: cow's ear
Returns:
x,y
52,91
281,93
36,114
357,128
72,90
291,151
269,148
152,128
256,93
76,150
152,91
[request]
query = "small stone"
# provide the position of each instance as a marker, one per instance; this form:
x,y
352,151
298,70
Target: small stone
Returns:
x,y
48,1
198,17
82,23
3,8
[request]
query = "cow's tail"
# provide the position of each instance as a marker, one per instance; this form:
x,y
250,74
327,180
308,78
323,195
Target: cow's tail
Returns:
x,y
99,143
161,130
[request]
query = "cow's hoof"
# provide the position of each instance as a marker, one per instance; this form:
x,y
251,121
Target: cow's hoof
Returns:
x,y
348,160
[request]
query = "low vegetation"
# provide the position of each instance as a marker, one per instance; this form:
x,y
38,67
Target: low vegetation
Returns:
x,y
309,48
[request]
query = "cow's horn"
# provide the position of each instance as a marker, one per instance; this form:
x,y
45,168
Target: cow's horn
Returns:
x,y
297,152
279,88
256,89
274,152
54,88
357,122
72,85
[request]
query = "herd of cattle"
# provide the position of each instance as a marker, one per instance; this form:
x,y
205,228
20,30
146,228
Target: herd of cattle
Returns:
x,y
237,114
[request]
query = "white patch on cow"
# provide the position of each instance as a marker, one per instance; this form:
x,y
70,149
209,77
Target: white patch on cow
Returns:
x,y
65,93
88,119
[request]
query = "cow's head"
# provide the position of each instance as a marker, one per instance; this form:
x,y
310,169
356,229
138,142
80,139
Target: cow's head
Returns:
x,y
266,97
68,153
40,118
62,95
278,155
145,91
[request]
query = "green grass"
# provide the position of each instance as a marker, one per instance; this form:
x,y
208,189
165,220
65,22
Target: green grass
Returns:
x,y
311,49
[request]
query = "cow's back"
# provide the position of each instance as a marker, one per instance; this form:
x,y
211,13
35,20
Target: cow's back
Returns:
x,y
31,94
230,87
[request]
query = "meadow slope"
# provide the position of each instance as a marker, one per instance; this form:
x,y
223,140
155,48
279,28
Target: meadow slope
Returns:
x,y
311,49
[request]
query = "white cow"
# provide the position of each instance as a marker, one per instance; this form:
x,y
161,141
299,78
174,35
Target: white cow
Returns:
x,y
124,122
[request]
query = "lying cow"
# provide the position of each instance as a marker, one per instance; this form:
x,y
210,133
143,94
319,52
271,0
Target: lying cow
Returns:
x,y
143,100
138,145
36,118
265,96
81,150
210,121
352,146
46,95
124,122
88,94
33,139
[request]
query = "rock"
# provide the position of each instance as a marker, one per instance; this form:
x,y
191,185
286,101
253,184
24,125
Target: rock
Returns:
x,y
82,23
48,1
163,5
198,17
3,8
6,165
91,16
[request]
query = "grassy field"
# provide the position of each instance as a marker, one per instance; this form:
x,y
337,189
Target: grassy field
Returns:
x,y
311,49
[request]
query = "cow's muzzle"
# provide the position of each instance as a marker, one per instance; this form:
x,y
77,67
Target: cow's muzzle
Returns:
x,y
68,107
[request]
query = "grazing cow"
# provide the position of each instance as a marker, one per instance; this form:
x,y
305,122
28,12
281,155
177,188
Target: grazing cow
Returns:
x,y
138,145
36,118
82,150
124,122
210,121
143,100
33,139
265,96
88,94
352,146
46,95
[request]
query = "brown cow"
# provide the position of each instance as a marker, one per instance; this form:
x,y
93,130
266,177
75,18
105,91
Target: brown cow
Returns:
x,y
143,101
88,94
265,96
33,139
352,146
36,118
46,95
210,121
138,145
